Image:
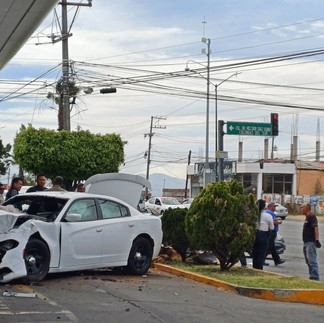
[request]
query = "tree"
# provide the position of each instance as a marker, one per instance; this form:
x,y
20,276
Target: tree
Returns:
x,y
222,219
4,157
318,187
173,226
73,155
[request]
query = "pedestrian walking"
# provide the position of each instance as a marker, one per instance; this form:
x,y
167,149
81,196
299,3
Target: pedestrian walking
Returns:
x,y
264,226
311,241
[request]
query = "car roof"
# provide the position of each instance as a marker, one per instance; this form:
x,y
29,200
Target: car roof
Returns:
x,y
68,195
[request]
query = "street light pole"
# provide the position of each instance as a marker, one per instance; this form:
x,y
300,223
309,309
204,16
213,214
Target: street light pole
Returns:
x,y
207,41
216,118
207,106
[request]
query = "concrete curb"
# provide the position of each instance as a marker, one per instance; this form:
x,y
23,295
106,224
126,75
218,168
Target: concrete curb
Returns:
x,y
309,296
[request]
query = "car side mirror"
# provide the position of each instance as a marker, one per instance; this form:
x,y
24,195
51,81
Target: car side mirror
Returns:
x,y
73,217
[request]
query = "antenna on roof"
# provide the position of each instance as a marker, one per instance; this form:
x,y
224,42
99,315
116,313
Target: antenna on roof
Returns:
x,y
204,26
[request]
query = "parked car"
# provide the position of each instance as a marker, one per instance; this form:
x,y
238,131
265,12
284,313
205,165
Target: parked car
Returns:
x,y
280,245
49,232
281,212
187,202
157,205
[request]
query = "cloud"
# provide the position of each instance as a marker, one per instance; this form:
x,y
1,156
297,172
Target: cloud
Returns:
x,y
133,39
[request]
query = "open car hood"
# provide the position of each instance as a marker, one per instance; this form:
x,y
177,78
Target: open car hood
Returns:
x,y
125,187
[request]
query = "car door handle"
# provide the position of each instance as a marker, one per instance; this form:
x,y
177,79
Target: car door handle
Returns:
x,y
99,229
131,224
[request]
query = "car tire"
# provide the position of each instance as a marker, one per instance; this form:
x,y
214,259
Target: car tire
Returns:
x,y
37,260
140,257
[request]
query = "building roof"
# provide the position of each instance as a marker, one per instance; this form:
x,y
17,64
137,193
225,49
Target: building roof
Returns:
x,y
18,20
309,165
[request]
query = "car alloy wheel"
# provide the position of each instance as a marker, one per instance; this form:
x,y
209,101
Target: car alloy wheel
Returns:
x,y
140,257
37,259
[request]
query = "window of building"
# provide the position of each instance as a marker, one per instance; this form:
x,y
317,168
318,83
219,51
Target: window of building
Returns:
x,y
277,183
249,182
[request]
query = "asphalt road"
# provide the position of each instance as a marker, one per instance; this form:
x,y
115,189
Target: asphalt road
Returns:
x,y
159,297
291,230
101,296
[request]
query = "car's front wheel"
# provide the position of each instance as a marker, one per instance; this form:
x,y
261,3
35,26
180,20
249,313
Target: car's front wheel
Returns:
x,y
140,257
37,259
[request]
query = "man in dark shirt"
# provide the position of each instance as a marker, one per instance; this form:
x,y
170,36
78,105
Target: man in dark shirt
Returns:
x,y
40,184
311,241
16,185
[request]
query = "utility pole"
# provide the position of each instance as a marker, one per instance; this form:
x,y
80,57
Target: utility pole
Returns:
x,y
65,71
187,177
64,114
221,148
150,135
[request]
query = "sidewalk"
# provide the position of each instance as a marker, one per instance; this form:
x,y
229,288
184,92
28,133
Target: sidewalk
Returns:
x,y
313,296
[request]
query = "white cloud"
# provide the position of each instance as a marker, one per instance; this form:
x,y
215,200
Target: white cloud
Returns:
x,y
107,34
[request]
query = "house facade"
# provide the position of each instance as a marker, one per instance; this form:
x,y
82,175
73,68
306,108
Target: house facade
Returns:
x,y
286,181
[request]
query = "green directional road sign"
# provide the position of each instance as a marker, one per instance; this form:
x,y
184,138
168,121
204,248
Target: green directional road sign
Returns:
x,y
249,128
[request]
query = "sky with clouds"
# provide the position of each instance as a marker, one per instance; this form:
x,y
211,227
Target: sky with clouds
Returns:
x,y
143,47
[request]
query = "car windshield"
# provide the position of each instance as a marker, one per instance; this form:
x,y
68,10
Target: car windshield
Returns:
x,y
46,207
170,201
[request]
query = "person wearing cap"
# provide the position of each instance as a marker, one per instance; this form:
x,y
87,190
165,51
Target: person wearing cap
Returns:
x,y
272,248
57,184
311,241
40,184
264,226
2,188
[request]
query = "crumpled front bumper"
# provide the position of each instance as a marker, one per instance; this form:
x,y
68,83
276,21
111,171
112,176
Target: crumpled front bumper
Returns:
x,y
12,264
12,245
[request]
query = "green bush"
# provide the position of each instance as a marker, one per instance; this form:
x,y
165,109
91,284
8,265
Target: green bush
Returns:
x,y
222,219
173,226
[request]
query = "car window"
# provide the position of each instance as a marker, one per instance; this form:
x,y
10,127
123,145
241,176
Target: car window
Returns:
x,y
85,207
42,206
157,202
112,209
151,200
170,201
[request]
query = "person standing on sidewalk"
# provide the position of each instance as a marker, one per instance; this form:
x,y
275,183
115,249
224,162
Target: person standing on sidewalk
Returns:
x,y
273,235
311,241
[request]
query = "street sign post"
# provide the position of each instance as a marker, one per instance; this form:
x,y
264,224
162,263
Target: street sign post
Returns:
x,y
221,154
249,128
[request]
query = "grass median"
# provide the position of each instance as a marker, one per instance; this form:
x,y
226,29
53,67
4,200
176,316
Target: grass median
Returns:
x,y
247,277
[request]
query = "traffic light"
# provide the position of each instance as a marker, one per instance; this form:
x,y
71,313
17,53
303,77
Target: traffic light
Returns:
x,y
108,90
275,124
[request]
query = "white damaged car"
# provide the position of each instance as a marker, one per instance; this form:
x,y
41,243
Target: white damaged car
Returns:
x,y
51,232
